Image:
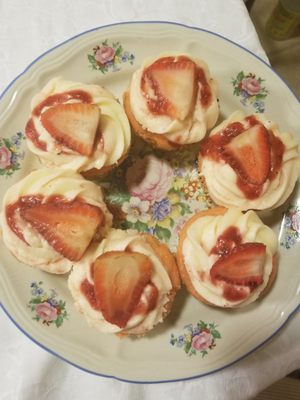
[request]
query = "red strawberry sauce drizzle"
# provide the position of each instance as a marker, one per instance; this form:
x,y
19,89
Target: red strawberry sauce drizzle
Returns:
x,y
205,90
212,147
235,293
12,209
163,105
87,289
26,202
59,98
227,241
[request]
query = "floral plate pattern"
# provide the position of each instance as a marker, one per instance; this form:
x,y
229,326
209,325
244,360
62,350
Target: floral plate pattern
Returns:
x,y
109,57
290,228
250,90
47,307
156,192
11,154
197,339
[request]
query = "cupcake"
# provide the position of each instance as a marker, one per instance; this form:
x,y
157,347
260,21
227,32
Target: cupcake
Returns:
x,y
247,163
126,284
50,217
227,258
78,126
172,101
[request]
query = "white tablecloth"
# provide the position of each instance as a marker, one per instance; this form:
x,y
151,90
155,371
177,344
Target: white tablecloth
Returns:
x,y
29,28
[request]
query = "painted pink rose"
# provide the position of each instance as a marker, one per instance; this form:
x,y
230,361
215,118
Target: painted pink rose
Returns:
x,y
149,179
5,155
296,222
202,341
251,86
46,312
104,54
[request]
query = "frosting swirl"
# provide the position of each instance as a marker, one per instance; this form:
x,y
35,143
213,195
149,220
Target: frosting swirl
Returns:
x,y
193,127
113,126
118,240
222,180
200,240
46,184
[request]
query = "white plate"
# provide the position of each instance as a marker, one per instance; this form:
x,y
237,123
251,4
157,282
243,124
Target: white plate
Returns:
x,y
231,334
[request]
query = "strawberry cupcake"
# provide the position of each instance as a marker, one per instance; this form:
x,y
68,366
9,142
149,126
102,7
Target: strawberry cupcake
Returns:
x,y
126,284
50,218
172,101
78,126
227,258
247,163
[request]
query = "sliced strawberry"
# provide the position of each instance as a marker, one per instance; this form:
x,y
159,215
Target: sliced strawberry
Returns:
x,y
74,125
249,155
169,86
243,266
120,278
67,227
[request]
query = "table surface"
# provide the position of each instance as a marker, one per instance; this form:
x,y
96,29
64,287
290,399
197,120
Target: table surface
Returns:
x,y
29,28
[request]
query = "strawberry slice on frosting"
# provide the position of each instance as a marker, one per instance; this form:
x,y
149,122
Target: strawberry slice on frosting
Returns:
x,y
77,126
241,269
169,86
172,100
126,284
120,278
67,226
51,217
227,258
247,163
249,154
74,125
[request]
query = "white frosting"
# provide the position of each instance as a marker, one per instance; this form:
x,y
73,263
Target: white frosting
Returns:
x,y
118,240
192,129
45,182
221,178
202,236
114,127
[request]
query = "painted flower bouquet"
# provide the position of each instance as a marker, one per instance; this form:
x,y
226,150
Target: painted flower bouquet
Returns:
x,y
11,154
250,89
47,308
197,339
106,57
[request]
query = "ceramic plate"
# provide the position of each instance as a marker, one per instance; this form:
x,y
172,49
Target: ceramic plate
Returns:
x,y
167,353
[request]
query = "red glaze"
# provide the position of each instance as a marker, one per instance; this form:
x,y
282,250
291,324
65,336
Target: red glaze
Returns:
x,y
60,98
226,242
11,209
212,147
235,293
277,150
32,134
87,289
205,90
251,120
